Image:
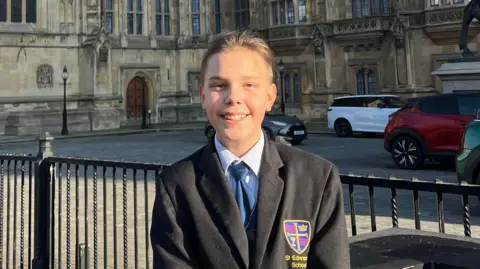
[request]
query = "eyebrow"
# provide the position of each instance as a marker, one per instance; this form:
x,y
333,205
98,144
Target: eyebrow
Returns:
x,y
221,78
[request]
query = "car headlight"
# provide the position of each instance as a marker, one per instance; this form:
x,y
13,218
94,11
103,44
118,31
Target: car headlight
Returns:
x,y
279,123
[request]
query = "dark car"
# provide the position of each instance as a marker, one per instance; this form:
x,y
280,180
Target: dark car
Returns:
x,y
291,128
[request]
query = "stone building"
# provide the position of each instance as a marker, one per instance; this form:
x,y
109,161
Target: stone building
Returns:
x,y
123,54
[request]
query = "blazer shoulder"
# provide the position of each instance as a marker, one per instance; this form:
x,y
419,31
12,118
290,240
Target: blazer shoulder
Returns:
x,y
297,158
182,170
298,155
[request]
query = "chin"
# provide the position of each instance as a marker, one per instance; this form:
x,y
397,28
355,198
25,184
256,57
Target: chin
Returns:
x,y
233,135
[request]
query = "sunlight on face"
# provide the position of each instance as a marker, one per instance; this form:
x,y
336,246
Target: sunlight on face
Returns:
x,y
237,92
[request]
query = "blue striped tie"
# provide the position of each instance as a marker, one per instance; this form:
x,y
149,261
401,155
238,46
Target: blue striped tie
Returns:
x,y
243,193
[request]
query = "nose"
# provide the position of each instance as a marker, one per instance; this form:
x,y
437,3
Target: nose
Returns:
x,y
234,95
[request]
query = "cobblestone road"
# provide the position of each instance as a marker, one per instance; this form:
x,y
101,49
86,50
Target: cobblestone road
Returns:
x,y
356,155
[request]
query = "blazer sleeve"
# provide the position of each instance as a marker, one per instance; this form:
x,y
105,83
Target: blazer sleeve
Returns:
x,y
329,248
169,239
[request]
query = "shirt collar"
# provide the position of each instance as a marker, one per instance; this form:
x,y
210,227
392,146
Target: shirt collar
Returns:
x,y
252,158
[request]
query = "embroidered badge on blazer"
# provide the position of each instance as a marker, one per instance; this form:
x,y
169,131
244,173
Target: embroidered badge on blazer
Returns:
x,y
298,234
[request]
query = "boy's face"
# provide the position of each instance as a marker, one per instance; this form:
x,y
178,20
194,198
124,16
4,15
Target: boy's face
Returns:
x,y
237,92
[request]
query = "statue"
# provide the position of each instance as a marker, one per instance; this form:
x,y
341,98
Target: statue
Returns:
x,y
472,10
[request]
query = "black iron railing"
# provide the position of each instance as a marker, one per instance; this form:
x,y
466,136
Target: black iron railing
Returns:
x,y
439,188
58,212
123,190
16,210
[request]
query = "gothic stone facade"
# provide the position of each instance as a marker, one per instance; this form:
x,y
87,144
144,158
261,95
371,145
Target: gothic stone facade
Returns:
x,y
123,54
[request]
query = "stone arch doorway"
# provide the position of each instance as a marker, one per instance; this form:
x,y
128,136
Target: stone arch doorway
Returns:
x,y
137,103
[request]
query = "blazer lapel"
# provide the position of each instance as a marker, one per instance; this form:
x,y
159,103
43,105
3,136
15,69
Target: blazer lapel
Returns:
x,y
269,198
215,187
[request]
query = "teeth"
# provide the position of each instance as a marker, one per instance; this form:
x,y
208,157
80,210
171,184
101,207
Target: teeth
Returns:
x,y
234,117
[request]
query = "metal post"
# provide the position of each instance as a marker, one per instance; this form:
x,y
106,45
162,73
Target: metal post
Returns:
x,y
43,203
83,259
64,115
149,118
282,91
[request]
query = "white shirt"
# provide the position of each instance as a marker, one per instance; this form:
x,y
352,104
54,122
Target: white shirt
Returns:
x,y
253,159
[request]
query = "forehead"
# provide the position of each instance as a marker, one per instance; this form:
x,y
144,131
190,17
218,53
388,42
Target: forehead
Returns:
x,y
237,62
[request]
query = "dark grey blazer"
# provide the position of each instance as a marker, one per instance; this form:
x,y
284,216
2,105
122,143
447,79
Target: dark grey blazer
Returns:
x,y
196,222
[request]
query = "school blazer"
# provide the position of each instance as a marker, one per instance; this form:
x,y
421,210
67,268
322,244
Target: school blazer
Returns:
x,y
196,222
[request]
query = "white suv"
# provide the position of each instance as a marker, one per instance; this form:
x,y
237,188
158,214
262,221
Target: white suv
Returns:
x,y
362,113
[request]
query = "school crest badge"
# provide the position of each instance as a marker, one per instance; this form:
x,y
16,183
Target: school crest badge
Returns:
x,y
298,234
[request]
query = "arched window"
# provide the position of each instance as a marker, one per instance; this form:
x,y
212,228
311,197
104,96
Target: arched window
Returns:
x,y
296,88
242,14
302,11
218,17
364,7
354,9
287,87
195,13
290,11
19,11
373,7
384,7
372,82
360,82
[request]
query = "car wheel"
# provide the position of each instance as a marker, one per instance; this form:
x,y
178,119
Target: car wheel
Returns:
x,y
407,153
343,128
268,133
210,132
296,142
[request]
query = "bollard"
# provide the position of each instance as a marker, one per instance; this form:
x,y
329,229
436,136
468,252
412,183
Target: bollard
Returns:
x,y
83,256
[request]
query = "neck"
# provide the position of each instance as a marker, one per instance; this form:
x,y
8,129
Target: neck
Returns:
x,y
240,148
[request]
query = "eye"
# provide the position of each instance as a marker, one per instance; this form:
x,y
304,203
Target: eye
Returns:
x,y
217,86
250,85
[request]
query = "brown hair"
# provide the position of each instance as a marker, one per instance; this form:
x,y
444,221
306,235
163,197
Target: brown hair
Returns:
x,y
235,39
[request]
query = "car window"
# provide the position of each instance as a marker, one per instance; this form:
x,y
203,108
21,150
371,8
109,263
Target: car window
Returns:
x,y
372,102
394,102
446,105
469,105
349,102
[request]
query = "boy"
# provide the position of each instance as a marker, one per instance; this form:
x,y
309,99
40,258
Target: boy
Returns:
x,y
243,201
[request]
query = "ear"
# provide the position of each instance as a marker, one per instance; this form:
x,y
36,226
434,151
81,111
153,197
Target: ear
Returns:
x,y
271,97
202,96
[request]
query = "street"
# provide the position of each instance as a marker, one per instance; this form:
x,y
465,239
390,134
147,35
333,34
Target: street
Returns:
x,y
358,155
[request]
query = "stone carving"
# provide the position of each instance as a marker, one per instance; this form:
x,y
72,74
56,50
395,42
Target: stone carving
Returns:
x,y
193,78
318,36
471,11
357,25
282,33
195,42
398,27
66,27
45,76
442,16
181,40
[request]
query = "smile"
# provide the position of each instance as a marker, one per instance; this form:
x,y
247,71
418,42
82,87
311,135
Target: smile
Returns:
x,y
235,117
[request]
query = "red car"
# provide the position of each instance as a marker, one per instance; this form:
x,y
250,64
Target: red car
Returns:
x,y
429,127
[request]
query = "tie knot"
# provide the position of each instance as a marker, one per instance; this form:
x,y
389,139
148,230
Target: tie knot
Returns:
x,y
238,170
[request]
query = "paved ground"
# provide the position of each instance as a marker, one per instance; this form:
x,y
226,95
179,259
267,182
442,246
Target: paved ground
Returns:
x,y
357,155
